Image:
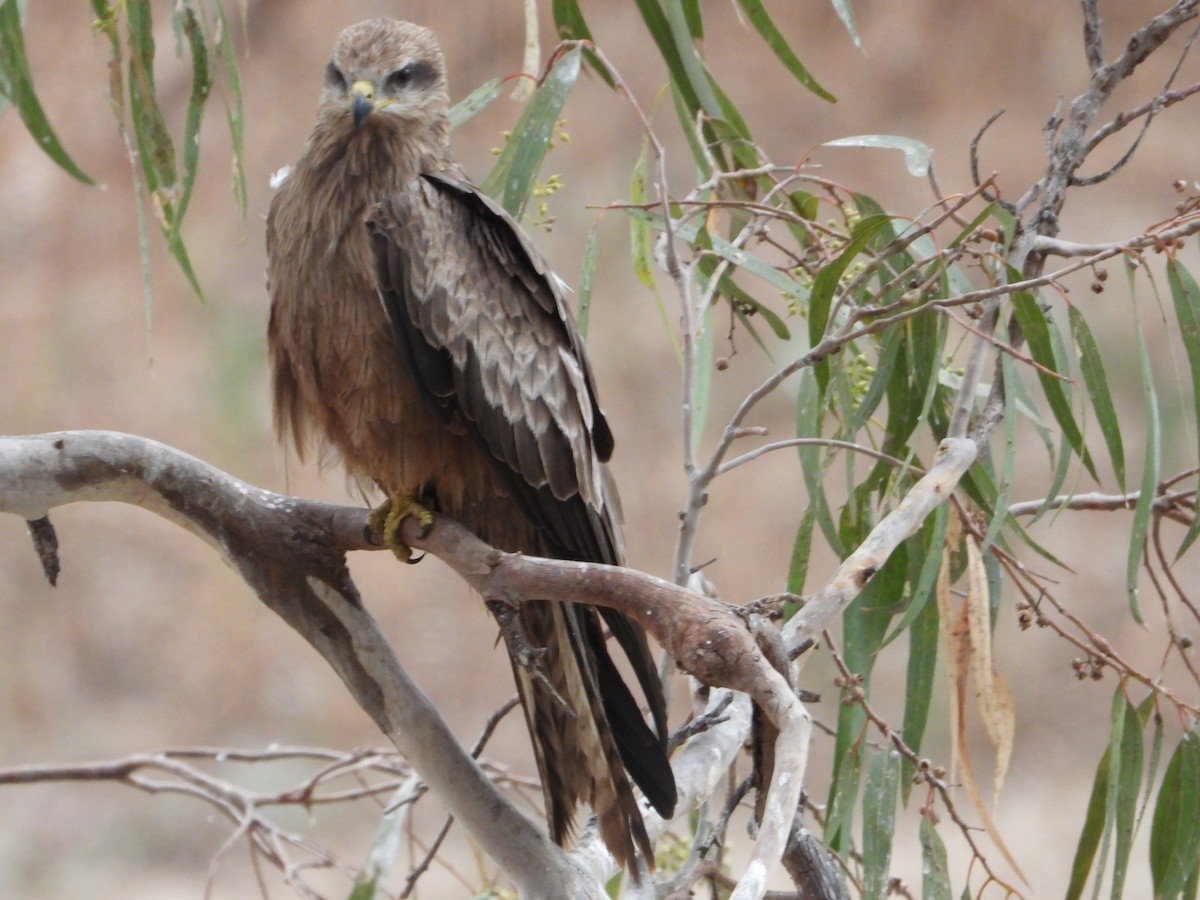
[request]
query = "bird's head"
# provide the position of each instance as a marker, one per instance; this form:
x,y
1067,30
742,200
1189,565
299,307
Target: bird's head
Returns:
x,y
387,71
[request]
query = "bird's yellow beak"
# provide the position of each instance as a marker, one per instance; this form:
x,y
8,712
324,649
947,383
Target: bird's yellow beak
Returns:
x,y
362,100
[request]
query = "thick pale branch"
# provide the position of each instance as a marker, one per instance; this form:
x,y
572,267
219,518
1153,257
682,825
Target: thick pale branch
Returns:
x,y
953,458
291,552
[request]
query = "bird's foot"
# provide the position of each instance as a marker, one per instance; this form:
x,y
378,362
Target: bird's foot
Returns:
x,y
385,523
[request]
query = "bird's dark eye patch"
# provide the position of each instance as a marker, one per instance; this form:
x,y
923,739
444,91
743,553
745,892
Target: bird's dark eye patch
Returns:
x,y
411,75
334,77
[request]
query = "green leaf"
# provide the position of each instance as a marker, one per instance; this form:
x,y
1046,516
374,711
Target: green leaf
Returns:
x,y
1175,830
826,282
512,178
923,589
919,679
935,869
917,156
675,31
1124,785
1150,468
587,278
1186,296
232,98
801,551
879,820
1156,748
1092,365
232,101
1093,829
660,30
746,304
761,20
847,772
755,266
999,508
571,26
156,150
641,246
16,85
884,374
692,66
201,85
475,102
809,399
1036,330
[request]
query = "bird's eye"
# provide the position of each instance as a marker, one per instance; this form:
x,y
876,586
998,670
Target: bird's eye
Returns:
x,y
334,77
399,79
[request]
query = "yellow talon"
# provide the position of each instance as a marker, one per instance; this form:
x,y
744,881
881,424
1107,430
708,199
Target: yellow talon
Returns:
x,y
385,522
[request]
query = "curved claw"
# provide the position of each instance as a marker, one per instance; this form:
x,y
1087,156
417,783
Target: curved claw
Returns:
x,y
386,520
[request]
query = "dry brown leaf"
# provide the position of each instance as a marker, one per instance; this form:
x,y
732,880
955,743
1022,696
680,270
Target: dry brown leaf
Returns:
x,y
972,789
966,635
991,692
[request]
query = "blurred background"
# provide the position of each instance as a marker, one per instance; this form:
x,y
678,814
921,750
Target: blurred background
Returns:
x,y
149,641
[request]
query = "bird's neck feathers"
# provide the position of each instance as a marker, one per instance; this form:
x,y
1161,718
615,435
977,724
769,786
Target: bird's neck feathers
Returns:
x,y
381,156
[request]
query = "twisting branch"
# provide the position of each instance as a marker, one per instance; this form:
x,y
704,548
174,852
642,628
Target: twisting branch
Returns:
x,y
953,458
292,553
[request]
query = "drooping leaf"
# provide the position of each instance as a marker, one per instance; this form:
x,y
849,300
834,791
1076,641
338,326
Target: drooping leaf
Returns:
x,y
923,588
571,26
1036,330
1175,830
1093,829
935,868
587,277
512,178
232,96
641,245
1151,462
826,282
1185,294
761,20
809,399
885,373
917,156
475,102
879,820
1092,365
1000,508
801,551
16,85
919,679
1124,788
197,44
847,773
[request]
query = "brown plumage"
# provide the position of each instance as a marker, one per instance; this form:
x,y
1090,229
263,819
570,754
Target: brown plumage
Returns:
x,y
416,333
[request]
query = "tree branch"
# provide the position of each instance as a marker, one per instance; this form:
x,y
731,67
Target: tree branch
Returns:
x,y
292,553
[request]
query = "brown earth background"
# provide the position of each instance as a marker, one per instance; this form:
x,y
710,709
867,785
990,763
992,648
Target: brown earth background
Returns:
x,y
149,641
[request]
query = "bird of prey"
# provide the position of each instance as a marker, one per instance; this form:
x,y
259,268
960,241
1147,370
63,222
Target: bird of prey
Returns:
x,y
416,334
